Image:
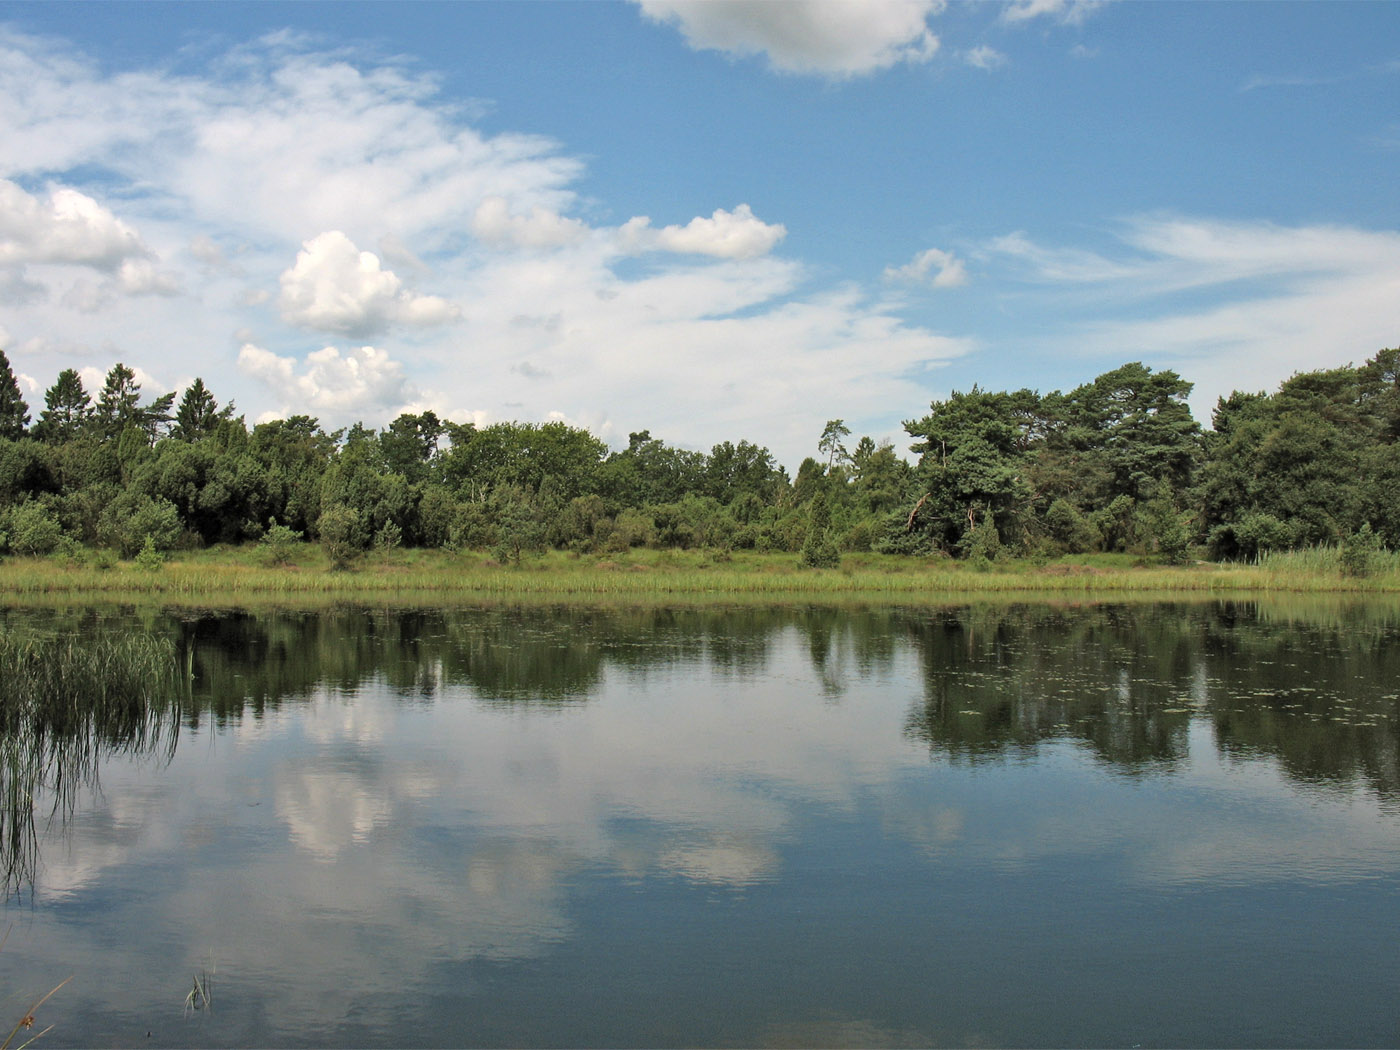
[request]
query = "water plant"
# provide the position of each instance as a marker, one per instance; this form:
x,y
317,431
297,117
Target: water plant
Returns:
x,y
64,701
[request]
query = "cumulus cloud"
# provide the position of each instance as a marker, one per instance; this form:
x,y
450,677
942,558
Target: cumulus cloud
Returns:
x,y
66,227
495,225
335,287
729,235
275,147
837,38
934,267
350,386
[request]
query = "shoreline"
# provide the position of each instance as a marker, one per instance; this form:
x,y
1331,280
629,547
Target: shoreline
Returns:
x,y
418,577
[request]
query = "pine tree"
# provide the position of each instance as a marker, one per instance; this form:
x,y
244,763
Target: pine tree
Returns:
x,y
198,413
67,409
118,401
14,413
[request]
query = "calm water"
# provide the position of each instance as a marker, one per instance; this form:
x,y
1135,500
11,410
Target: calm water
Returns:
x,y
1017,826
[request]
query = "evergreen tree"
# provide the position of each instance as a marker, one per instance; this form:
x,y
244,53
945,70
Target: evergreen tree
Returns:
x,y
14,413
67,408
118,403
199,414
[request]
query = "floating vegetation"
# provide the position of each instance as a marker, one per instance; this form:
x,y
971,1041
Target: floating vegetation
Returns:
x,y
65,702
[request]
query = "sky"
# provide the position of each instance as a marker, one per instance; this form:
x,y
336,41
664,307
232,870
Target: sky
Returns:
x,y
716,221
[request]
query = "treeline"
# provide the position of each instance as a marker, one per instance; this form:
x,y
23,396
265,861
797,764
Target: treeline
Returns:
x,y
1117,464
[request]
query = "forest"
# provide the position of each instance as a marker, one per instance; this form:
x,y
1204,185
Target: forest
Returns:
x,y
1117,464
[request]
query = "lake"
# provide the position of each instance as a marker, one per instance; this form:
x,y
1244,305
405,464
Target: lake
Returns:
x,y
1015,825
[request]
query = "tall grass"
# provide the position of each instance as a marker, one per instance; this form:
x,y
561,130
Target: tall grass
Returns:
x,y
64,702
232,576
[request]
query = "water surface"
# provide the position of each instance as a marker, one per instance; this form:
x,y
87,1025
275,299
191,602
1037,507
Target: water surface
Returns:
x,y
1010,826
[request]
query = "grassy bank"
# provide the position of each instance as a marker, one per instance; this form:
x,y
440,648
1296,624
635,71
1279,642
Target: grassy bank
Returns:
x,y
233,575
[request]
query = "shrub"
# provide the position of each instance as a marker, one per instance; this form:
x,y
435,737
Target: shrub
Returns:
x,y
34,529
982,542
148,558
337,526
1360,551
278,542
1070,528
130,519
819,550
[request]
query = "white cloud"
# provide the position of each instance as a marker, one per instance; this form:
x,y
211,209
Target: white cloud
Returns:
x,y
494,224
1241,305
984,57
840,38
1071,12
345,387
1056,264
335,287
729,235
276,153
934,267
140,277
68,227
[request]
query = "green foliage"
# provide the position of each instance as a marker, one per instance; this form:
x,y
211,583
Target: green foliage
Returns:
x,y
33,529
67,408
1105,467
389,537
518,529
199,415
339,528
1070,529
14,413
1166,533
132,518
1361,551
982,542
1250,536
819,550
278,543
830,443
148,559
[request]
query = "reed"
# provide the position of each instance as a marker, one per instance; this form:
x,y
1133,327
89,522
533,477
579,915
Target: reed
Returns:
x,y
65,701
230,576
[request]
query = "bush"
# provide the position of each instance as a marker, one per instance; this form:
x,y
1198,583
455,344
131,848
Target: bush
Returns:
x,y
337,526
278,542
33,529
1167,533
130,519
1070,528
1360,551
982,542
819,550
148,558
1251,535
388,537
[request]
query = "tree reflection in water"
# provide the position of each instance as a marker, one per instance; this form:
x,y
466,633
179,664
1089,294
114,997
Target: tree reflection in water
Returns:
x,y
1313,687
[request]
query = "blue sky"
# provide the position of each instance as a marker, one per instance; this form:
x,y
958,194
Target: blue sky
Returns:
x,y
716,221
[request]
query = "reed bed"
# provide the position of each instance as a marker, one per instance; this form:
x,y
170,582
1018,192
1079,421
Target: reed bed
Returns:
x,y
229,576
64,701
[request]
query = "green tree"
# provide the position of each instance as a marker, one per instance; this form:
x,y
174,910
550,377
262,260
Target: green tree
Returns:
x,y
830,442
410,443
974,457
199,414
14,413
67,408
119,407
819,550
